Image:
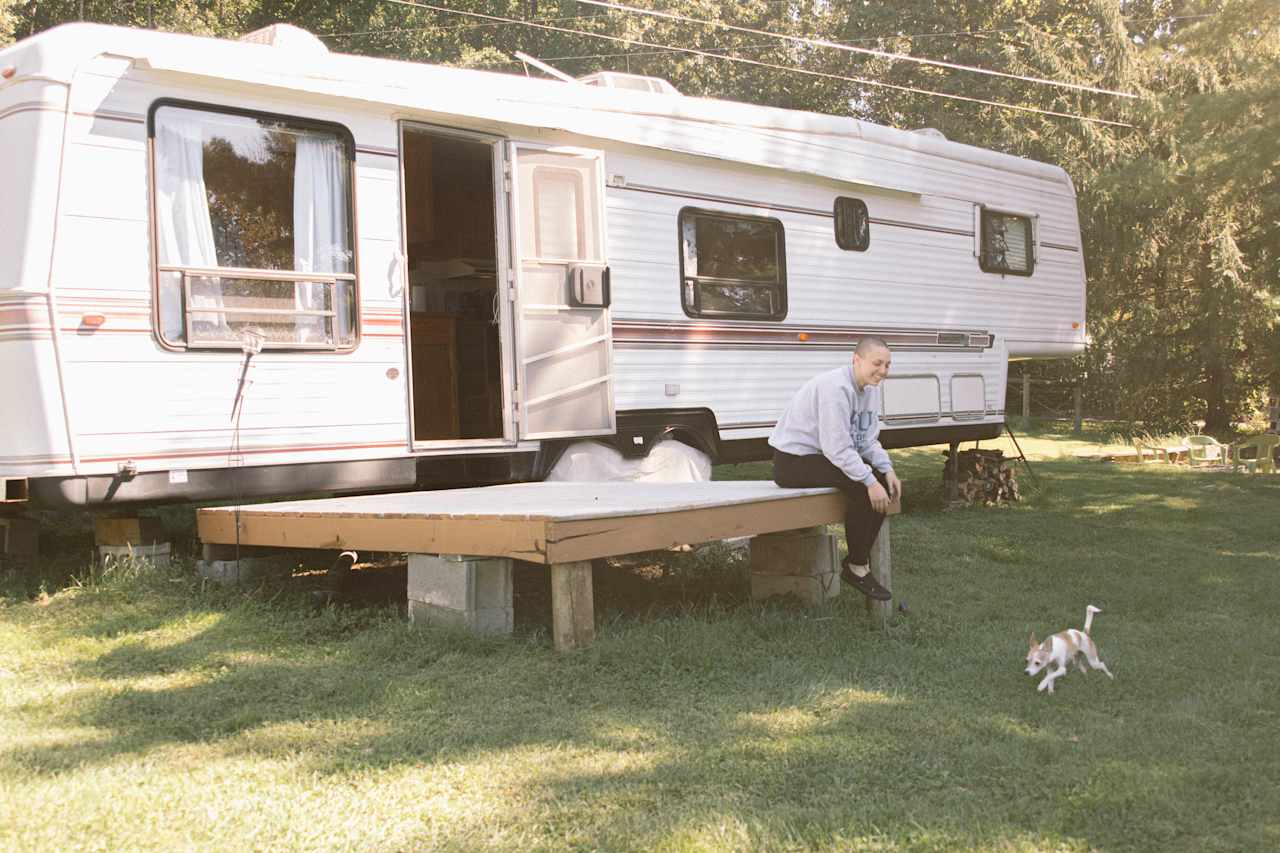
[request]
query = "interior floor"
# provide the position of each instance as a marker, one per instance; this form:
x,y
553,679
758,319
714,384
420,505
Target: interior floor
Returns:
x,y
454,312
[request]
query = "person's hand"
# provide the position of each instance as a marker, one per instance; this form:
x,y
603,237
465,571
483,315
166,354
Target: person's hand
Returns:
x,y
879,497
895,486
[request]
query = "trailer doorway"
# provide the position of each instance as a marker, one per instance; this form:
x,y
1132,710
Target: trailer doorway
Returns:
x,y
455,309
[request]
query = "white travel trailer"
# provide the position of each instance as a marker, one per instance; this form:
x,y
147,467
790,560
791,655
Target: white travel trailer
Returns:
x,y
257,267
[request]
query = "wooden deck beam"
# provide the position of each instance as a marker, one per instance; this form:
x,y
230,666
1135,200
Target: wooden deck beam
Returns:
x,y
566,533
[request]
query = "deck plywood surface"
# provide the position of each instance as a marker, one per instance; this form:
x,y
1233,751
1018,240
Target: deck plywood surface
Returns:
x,y
541,522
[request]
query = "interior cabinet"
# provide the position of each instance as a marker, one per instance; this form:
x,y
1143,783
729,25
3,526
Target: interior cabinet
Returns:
x,y
480,380
434,360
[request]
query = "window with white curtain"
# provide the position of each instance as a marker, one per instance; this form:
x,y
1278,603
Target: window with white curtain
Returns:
x,y
254,230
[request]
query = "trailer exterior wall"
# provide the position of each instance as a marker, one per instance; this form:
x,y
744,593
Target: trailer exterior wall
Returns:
x,y
132,402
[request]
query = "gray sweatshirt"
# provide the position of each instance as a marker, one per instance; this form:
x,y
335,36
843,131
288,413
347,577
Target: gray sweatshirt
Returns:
x,y
829,415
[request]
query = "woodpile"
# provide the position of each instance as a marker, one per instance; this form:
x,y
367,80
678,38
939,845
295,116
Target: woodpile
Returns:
x,y
984,478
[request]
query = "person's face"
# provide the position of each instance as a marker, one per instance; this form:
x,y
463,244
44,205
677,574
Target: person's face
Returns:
x,y
871,368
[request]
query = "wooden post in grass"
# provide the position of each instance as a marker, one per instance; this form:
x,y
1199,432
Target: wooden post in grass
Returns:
x,y
1078,424
881,570
572,612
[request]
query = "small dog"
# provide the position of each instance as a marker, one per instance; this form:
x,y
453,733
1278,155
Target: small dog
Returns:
x,y
1062,648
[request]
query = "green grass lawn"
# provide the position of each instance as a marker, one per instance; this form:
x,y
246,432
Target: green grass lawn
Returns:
x,y
146,711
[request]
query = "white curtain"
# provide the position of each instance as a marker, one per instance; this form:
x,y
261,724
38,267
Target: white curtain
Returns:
x,y
186,231
320,231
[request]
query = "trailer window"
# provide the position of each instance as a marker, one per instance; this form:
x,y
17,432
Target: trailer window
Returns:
x,y
253,229
1007,245
732,266
853,224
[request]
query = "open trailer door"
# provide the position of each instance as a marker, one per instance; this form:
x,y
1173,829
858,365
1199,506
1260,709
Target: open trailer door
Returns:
x,y
564,339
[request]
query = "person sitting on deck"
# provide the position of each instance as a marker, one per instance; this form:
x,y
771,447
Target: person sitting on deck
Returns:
x,y
829,435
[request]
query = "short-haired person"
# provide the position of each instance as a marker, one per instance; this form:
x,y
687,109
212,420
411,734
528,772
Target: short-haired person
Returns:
x,y
829,435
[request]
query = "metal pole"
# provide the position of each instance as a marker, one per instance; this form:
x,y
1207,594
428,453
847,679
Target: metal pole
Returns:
x,y
1079,424
953,482
1026,399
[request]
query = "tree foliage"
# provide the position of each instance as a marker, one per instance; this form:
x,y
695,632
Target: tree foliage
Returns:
x,y
1178,209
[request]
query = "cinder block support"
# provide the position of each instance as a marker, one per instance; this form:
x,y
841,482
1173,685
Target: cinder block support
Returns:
x,y
229,566
19,536
472,592
131,537
158,554
804,563
882,569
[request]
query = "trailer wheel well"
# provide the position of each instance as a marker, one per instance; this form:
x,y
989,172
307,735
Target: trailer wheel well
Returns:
x,y
639,430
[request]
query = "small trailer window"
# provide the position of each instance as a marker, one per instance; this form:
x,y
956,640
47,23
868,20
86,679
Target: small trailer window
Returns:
x,y
853,224
253,229
732,266
1007,245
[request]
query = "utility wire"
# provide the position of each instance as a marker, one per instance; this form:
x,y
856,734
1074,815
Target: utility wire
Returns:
x,y
770,65
902,57
382,30
891,36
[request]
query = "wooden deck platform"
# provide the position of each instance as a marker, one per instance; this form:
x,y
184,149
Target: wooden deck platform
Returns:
x,y
537,522
461,542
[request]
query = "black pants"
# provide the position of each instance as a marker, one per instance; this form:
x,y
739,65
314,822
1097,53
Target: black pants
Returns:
x,y
861,522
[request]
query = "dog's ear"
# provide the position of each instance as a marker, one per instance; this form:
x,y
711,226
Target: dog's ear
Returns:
x,y
1033,640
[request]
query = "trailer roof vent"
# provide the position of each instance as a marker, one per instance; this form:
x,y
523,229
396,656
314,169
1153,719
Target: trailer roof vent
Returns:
x,y
287,36
634,82
931,132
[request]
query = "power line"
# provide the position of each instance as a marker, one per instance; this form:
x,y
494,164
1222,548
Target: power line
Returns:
x,y
770,65
658,52
383,30
902,57
762,44
880,38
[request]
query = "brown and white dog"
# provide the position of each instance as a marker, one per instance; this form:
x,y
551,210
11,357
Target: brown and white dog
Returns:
x,y
1062,648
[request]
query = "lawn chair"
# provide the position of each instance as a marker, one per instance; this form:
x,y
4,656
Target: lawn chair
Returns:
x,y
1256,453
1206,450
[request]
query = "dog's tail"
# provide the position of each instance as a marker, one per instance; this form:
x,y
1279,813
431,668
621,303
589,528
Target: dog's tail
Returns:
x,y
1088,617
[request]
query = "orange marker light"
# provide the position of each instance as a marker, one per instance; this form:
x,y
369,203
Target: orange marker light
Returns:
x,y
804,336
8,71
1075,325
92,320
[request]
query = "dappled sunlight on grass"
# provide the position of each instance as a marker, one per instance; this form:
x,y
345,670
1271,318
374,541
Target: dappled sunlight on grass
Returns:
x,y
1271,555
171,717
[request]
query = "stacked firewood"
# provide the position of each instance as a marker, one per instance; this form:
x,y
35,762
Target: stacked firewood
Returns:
x,y
983,478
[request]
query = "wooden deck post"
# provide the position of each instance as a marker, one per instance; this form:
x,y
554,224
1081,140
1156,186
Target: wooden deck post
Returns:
x,y
573,624
882,569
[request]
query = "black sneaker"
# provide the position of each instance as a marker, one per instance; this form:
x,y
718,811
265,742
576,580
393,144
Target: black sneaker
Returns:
x,y
865,584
